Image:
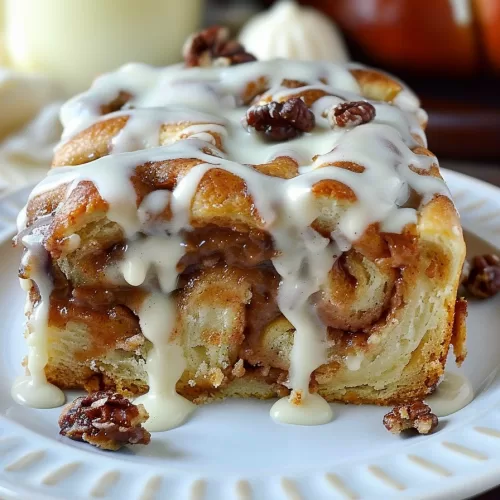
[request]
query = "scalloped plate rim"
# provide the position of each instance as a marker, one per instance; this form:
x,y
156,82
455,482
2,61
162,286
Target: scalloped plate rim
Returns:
x,y
460,487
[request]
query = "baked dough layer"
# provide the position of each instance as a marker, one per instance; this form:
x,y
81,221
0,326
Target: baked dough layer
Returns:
x,y
387,304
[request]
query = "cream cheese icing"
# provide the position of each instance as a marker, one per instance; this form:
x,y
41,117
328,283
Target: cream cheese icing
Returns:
x,y
206,103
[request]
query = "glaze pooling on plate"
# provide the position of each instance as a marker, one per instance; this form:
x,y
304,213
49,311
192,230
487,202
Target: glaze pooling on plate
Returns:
x,y
211,98
456,476
453,393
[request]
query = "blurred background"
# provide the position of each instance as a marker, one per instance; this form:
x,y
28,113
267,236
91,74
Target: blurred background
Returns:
x,y
447,50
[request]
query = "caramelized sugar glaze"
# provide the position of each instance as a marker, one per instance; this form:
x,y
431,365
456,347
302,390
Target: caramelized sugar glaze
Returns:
x,y
107,310
312,247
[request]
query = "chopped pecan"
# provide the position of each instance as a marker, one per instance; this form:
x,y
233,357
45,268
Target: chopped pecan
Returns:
x,y
213,47
350,114
483,280
238,370
416,416
104,419
281,121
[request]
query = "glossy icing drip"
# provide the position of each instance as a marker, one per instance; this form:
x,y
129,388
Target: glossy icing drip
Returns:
x,y
204,104
165,365
33,389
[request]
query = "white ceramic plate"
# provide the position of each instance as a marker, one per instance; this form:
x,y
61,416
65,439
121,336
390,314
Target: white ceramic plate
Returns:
x,y
233,450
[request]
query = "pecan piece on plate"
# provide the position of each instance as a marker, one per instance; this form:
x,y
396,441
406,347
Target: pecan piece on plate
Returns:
x,y
213,47
350,114
416,416
281,121
483,280
104,419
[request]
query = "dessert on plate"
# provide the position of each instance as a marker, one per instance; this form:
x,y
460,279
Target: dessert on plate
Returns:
x,y
228,227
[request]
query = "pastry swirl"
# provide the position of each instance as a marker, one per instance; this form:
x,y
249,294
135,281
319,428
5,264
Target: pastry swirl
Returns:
x,y
328,263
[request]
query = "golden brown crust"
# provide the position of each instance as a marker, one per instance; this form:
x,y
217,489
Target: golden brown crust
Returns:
x,y
376,85
459,335
90,144
217,185
418,378
389,302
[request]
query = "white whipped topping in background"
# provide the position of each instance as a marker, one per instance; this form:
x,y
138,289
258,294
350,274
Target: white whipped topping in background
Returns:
x,y
286,207
462,11
294,32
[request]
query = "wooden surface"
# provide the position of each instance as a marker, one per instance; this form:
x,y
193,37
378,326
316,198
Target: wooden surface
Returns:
x,y
486,172
462,130
464,116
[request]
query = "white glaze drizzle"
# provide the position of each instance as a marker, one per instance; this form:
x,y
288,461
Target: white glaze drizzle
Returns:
x,y
453,393
176,95
33,389
165,365
156,252
153,204
143,126
353,362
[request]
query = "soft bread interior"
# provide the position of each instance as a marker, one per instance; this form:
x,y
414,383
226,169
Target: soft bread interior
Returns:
x,y
400,357
388,301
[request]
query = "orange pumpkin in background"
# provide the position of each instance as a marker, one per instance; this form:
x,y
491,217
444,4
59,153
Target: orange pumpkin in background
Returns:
x,y
449,53
452,37
488,15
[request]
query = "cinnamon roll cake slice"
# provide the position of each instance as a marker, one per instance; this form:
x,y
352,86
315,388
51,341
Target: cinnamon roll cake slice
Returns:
x,y
266,229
